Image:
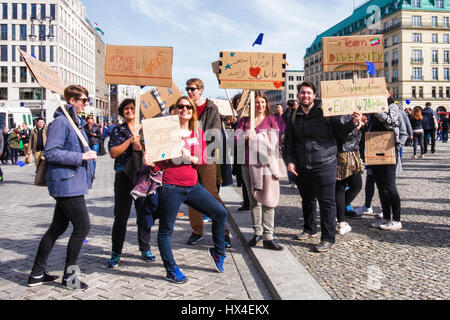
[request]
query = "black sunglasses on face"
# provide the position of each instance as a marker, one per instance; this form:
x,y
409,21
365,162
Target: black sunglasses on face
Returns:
x,y
182,106
191,89
85,100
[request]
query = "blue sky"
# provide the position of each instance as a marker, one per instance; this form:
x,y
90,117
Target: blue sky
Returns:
x,y
199,29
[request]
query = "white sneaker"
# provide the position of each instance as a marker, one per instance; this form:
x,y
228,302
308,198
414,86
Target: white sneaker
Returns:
x,y
391,226
377,224
293,186
379,216
343,228
363,210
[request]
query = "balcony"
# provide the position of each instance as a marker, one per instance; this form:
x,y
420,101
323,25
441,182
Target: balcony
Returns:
x,y
394,62
386,64
394,79
393,27
416,60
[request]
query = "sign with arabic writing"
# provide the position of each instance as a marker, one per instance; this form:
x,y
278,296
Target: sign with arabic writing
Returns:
x,y
140,66
359,95
350,53
252,70
44,74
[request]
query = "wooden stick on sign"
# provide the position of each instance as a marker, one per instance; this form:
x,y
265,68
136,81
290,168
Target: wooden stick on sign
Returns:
x,y
252,111
137,111
231,103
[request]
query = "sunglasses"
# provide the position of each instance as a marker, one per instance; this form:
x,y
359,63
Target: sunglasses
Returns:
x,y
182,106
85,100
191,89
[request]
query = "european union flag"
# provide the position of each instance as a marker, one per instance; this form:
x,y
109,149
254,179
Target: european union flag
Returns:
x,y
370,68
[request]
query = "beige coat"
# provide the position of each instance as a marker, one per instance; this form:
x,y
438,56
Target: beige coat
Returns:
x,y
265,178
33,138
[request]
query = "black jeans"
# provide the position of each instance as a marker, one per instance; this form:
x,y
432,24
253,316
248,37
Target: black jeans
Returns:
x,y
71,209
432,133
319,184
384,176
418,139
369,189
344,198
14,155
122,209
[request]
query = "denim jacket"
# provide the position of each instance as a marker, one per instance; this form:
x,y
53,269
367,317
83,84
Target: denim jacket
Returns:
x,y
67,174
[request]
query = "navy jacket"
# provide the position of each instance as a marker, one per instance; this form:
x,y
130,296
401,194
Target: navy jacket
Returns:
x,y
67,175
428,118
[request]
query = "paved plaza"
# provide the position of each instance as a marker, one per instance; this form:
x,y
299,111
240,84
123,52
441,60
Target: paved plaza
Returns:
x,y
365,264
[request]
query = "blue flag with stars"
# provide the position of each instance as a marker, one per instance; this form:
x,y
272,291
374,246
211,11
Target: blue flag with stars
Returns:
x,y
370,68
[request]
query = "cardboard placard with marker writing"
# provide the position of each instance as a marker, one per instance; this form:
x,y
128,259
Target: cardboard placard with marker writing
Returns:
x,y
350,53
162,138
380,148
359,95
44,74
158,100
252,70
139,65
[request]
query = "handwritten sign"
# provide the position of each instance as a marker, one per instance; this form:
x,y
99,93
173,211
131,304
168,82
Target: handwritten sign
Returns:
x,y
380,148
44,74
216,68
252,70
162,138
158,100
360,95
223,106
140,66
350,53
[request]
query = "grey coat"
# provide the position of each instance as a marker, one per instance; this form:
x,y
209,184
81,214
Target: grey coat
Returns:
x,y
392,121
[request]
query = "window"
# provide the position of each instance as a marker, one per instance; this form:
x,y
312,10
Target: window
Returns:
x,y
13,53
434,56
52,53
417,73
413,92
386,59
445,22
53,11
4,53
441,92
415,3
24,11
434,38
386,42
33,51
31,93
4,10
291,87
395,39
446,74
4,32
14,10
417,21
433,92
446,56
3,93
291,78
435,74
395,75
4,74
395,21
42,53
417,37
446,38
421,92
33,11
23,32
43,13
394,58
417,55
23,74
42,32
13,32
440,4
447,92
434,21
13,74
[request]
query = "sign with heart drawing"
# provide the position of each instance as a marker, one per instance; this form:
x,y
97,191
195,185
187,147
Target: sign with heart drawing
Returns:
x,y
252,70
348,96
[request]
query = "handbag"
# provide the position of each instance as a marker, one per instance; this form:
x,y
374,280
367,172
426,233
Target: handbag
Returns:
x,y
41,171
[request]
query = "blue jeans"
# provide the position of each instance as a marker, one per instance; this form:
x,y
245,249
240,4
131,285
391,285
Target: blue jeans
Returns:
x,y
95,148
200,199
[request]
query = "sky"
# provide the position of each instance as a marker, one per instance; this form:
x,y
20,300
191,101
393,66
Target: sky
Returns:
x,y
199,29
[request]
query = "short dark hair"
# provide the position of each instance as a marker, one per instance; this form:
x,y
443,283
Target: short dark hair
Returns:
x,y
308,84
428,104
124,103
235,99
291,102
39,119
74,91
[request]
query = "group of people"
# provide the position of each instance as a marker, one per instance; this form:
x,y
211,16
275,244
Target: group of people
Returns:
x,y
321,155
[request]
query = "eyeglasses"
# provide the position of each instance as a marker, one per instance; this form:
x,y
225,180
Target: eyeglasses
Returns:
x,y
191,89
85,100
182,106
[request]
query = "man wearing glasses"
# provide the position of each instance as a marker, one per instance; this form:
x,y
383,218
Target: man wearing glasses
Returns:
x,y
209,118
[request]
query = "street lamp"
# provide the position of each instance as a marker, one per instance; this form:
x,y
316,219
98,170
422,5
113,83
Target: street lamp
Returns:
x,y
41,23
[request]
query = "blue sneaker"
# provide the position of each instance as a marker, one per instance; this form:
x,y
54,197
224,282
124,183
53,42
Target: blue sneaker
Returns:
x,y
227,241
175,275
148,256
194,239
218,260
114,261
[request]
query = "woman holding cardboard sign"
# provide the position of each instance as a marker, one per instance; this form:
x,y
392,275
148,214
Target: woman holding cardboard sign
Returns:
x,y
384,175
121,146
180,185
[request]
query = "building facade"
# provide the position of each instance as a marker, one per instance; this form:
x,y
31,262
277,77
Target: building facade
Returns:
x,y
293,78
55,32
416,48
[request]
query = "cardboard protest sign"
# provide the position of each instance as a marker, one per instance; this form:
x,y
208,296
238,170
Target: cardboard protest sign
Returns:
x,y
350,53
140,66
44,74
158,100
252,70
358,95
380,148
223,106
216,68
162,138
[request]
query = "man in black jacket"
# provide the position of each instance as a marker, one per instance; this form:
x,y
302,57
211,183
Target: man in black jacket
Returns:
x,y
311,150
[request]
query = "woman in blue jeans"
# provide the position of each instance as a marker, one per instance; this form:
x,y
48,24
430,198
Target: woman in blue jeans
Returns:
x,y
180,185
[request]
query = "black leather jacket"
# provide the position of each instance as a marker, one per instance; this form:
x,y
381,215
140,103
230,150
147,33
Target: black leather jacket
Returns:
x,y
310,140
349,142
